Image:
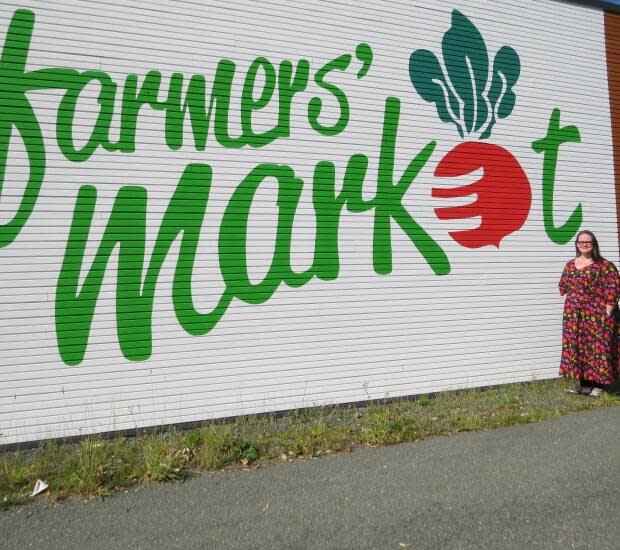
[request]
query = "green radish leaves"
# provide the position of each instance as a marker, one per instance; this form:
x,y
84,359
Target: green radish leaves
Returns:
x,y
466,90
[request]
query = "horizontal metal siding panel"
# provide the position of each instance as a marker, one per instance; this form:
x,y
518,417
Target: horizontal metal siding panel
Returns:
x,y
494,319
161,404
67,427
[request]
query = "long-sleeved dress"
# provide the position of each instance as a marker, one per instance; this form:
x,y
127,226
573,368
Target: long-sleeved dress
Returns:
x,y
589,335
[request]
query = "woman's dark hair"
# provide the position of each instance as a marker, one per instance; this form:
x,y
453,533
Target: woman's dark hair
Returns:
x,y
596,253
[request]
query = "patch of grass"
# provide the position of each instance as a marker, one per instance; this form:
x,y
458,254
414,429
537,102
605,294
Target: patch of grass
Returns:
x,y
87,473
163,460
192,439
244,451
390,423
98,467
15,476
308,436
423,400
216,441
224,444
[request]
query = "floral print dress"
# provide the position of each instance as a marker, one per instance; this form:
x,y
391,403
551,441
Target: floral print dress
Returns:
x,y
589,335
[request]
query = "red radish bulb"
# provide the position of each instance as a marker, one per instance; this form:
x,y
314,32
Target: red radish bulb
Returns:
x,y
504,195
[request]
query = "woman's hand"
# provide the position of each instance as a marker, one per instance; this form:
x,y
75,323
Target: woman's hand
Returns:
x,y
610,309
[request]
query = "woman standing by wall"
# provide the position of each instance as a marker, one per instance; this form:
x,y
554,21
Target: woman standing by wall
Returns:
x,y
591,287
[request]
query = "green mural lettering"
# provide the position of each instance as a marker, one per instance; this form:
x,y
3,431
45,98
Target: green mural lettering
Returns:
x,y
388,202
66,115
234,234
467,89
132,102
328,207
250,104
16,112
288,86
549,146
364,53
135,290
316,103
200,116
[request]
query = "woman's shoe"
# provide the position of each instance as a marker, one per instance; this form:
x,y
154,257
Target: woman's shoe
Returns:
x,y
581,390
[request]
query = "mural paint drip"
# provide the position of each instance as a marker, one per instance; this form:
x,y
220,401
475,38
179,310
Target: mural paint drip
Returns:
x,y
469,93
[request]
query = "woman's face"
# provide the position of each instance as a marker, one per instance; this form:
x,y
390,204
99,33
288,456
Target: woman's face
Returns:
x,y
584,244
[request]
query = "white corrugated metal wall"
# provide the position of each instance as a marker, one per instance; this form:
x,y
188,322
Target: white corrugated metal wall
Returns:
x,y
361,331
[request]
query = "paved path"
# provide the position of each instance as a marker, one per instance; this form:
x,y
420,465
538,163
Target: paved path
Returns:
x,y
548,485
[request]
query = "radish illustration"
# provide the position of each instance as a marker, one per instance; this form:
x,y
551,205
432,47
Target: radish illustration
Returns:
x,y
473,94
503,192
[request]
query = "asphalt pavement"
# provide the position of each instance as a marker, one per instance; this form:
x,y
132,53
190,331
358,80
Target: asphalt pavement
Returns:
x,y
553,484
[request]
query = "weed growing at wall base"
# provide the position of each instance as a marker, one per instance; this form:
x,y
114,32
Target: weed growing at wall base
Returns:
x,y
97,467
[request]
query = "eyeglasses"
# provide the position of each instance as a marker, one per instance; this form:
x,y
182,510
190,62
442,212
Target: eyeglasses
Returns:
x,y
584,243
